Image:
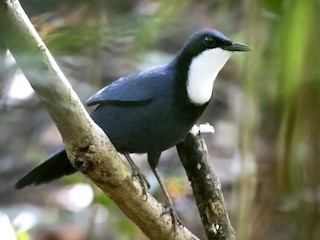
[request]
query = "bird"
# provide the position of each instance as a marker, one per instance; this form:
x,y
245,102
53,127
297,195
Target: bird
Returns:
x,y
152,110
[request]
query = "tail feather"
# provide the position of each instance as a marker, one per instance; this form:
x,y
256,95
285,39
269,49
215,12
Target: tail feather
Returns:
x,y
55,167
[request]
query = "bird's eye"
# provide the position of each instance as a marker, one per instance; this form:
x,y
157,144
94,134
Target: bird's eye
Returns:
x,y
209,41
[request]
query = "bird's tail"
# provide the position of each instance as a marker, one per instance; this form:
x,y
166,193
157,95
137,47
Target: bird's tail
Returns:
x,y
54,167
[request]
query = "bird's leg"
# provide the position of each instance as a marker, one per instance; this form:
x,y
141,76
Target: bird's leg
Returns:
x,y
153,161
137,173
169,205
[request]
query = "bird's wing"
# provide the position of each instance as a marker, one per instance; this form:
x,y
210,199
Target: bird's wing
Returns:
x,y
138,88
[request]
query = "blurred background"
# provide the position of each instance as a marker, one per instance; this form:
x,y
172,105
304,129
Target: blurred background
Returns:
x,y
265,111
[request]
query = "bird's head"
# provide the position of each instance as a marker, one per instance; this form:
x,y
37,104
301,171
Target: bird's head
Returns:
x,y
212,39
203,56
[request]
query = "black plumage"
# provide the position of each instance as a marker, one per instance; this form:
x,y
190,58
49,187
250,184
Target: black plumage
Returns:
x,y
149,111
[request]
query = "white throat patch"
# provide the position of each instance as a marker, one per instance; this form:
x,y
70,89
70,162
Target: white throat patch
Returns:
x,y
203,70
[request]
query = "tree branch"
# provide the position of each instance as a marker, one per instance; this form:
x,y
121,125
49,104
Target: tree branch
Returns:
x,y
206,186
87,147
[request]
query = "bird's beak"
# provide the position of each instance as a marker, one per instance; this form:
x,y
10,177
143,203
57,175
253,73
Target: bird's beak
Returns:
x,y
237,47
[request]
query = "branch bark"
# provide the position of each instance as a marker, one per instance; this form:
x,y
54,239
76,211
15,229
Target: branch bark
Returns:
x,y
86,144
206,186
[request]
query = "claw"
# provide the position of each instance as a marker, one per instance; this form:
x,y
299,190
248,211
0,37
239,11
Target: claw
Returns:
x,y
168,209
142,180
145,185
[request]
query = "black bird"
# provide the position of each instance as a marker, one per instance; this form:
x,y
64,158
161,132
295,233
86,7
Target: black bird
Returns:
x,y
153,110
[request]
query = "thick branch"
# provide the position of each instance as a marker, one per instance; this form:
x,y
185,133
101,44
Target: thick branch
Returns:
x,y
206,187
87,146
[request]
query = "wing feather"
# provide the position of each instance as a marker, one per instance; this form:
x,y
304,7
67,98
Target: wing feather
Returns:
x,y
138,88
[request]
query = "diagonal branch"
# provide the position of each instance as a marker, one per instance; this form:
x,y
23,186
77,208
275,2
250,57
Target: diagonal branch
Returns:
x,y
206,186
86,144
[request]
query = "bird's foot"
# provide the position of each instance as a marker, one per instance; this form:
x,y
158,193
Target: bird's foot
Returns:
x,y
144,183
168,208
137,173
